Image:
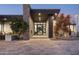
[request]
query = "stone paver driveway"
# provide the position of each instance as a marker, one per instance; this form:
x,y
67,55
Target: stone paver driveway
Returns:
x,y
40,47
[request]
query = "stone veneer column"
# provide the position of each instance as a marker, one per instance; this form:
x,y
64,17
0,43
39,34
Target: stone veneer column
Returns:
x,y
26,16
26,12
47,28
31,27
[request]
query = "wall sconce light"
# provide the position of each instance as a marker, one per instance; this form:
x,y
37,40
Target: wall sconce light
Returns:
x,y
56,14
39,14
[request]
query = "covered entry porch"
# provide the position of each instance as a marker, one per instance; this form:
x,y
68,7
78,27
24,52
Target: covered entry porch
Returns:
x,y
41,23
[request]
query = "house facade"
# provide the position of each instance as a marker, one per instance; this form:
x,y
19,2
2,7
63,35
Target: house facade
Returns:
x,y
42,21
5,21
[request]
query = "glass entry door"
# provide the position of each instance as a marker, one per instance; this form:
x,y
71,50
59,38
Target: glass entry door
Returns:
x,y
39,28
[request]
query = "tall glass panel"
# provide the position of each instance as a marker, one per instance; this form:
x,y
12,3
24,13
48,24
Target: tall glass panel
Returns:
x,y
40,28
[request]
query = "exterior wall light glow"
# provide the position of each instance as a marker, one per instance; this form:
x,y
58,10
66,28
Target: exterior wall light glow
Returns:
x,y
52,17
56,14
5,19
39,14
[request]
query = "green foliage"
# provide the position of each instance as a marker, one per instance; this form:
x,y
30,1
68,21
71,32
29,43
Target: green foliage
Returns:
x,y
19,26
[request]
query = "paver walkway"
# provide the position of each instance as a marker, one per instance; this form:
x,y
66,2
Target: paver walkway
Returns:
x,y
40,47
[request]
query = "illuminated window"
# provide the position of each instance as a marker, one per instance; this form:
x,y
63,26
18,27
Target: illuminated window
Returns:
x,y
54,22
71,27
39,28
39,18
7,28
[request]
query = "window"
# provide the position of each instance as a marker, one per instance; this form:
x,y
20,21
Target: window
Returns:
x,y
7,28
39,28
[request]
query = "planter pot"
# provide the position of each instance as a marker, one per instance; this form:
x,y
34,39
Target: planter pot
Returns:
x,y
8,37
15,37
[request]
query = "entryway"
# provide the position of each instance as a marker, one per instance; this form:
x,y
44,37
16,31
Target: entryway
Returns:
x,y
40,28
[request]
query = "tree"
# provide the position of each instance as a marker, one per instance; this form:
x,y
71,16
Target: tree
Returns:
x,y
61,24
19,26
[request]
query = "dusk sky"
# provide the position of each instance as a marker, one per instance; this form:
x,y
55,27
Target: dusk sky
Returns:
x,y
10,9
18,9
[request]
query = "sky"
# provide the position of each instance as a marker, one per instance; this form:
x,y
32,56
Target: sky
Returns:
x,y
64,8
17,9
11,9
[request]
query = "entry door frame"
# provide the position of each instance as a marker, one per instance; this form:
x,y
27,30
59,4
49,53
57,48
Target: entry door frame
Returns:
x,y
42,25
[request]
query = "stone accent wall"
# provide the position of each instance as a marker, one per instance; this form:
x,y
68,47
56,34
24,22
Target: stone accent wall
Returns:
x,y
26,12
31,27
26,15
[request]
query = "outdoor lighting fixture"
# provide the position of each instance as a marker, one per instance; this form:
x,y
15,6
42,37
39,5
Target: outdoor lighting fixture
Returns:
x,y
56,14
5,19
39,14
52,17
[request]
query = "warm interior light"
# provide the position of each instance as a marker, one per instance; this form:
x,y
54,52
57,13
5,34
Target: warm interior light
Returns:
x,y
52,17
54,22
7,28
73,29
39,18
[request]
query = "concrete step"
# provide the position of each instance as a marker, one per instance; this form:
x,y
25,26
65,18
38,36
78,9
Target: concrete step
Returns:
x,y
39,37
